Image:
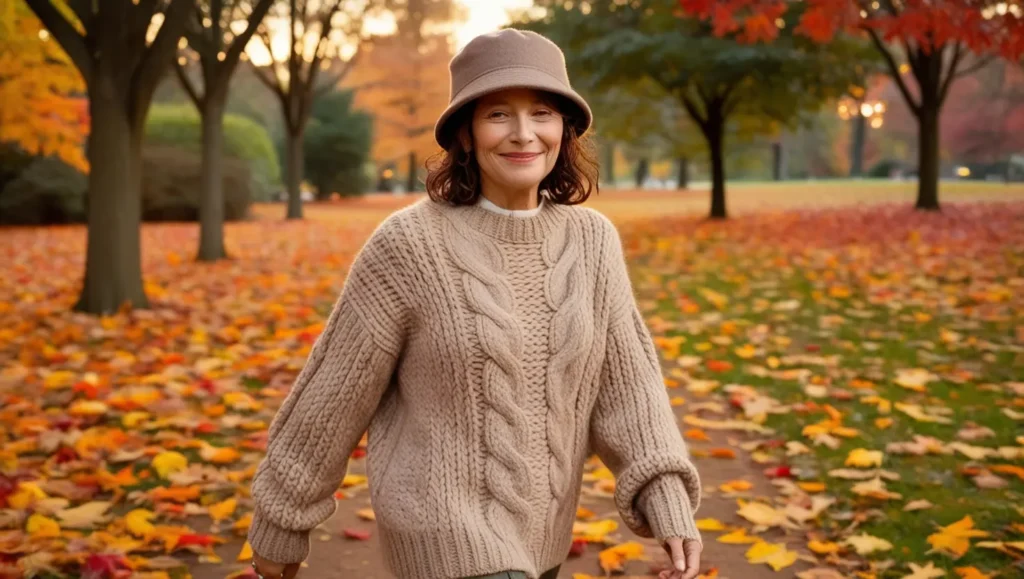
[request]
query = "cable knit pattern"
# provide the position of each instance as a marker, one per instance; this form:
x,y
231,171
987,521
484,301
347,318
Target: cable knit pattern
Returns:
x,y
565,289
489,296
484,352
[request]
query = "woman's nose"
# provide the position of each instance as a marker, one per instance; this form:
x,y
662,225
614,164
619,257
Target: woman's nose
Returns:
x,y
523,130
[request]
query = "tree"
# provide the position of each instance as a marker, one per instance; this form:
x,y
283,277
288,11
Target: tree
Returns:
x,y
985,118
338,145
43,110
121,50
716,80
210,35
932,39
402,80
323,35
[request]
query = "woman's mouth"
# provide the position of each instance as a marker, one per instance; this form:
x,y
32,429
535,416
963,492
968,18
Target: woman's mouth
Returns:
x,y
520,157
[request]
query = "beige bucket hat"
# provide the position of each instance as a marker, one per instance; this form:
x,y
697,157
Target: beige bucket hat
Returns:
x,y
505,59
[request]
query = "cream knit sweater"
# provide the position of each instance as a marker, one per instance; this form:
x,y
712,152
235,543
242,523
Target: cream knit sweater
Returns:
x,y
488,355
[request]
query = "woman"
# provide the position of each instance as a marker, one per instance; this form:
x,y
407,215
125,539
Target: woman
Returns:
x,y
488,338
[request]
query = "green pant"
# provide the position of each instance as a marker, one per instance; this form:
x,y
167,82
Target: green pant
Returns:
x,y
552,574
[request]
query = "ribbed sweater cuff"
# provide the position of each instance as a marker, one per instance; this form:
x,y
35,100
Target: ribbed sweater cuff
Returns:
x,y
666,506
276,543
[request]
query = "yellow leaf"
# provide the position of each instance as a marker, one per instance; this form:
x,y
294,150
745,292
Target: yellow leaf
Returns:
x,y
774,554
865,544
366,514
955,539
762,514
352,480
222,510
677,401
874,488
734,486
917,413
914,379
133,419
746,351
138,523
929,571
594,532
613,558
84,516
971,573
811,487
39,526
861,457
738,537
168,462
883,423
823,547
246,553
710,525
27,493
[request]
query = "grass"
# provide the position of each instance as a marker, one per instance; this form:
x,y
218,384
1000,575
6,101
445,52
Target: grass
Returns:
x,y
835,277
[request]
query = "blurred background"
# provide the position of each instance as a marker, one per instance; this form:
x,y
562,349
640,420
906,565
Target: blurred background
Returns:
x,y
821,204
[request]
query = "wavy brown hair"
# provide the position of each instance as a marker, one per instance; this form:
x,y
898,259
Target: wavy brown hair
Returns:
x,y
453,175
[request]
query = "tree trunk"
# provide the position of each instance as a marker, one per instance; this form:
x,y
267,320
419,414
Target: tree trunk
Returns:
x,y
411,180
295,168
778,162
641,172
928,156
715,135
609,163
113,263
857,153
684,173
211,203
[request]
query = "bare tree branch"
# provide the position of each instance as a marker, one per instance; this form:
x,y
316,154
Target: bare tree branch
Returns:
x,y
160,53
83,10
189,87
257,15
979,64
894,71
65,34
945,83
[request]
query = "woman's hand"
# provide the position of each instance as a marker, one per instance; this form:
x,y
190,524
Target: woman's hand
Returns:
x,y
272,570
685,555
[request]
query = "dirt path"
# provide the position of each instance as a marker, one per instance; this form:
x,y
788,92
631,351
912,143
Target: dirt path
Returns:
x,y
335,557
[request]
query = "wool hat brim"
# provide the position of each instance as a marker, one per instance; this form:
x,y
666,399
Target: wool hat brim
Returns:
x,y
508,78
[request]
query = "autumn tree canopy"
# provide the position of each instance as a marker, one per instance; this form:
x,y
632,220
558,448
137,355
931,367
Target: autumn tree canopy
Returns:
x,y
937,42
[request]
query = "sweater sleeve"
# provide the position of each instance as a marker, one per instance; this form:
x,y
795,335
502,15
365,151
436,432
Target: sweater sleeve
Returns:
x,y
330,405
633,428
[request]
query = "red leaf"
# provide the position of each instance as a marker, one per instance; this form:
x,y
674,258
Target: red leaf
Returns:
x,y
106,566
778,472
199,540
579,546
357,534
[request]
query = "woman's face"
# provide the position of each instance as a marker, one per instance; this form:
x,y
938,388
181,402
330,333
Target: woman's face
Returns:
x,y
517,135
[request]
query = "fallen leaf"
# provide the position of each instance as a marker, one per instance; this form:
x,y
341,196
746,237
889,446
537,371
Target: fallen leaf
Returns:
x,y
774,554
866,544
613,558
955,539
863,458
917,505
929,571
169,461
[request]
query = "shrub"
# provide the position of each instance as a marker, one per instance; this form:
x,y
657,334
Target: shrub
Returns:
x,y
244,139
337,146
171,181
47,191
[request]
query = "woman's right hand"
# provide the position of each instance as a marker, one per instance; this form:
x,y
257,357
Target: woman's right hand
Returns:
x,y
272,570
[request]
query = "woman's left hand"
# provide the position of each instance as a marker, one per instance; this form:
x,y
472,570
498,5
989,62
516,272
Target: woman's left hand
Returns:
x,y
685,555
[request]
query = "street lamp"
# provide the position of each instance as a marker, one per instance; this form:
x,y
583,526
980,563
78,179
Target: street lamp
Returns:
x,y
863,112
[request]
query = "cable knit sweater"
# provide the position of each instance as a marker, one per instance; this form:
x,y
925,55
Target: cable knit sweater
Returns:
x,y
487,355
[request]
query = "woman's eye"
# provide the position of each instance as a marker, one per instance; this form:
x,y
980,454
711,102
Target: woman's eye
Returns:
x,y
543,113
497,115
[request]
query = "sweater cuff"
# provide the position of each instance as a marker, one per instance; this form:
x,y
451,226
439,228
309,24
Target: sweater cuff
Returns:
x,y
666,506
277,544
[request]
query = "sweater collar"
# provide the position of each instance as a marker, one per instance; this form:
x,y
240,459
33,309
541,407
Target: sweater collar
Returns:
x,y
505,227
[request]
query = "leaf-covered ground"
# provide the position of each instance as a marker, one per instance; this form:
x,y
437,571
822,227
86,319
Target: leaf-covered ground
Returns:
x,y
851,380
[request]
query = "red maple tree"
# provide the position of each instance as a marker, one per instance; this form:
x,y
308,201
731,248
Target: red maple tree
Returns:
x,y
935,42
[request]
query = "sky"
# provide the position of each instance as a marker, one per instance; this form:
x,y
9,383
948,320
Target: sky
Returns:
x,y
486,16
482,16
